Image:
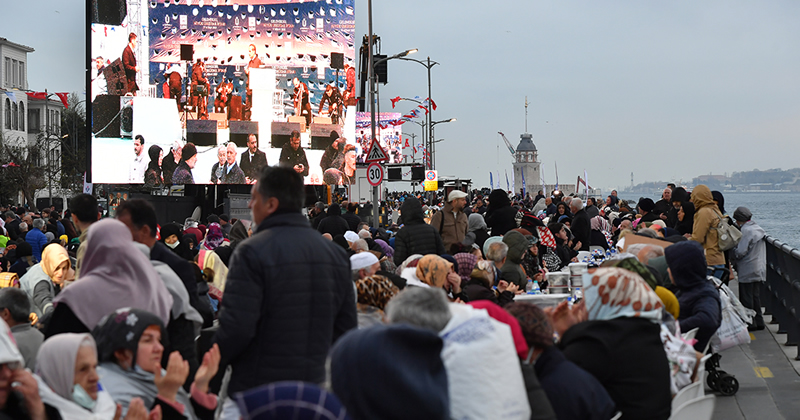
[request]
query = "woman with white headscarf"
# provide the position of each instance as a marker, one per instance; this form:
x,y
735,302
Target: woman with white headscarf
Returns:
x,y
114,274
68,380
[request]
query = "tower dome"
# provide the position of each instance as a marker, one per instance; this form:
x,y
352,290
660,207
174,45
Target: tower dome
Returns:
x,y
526,150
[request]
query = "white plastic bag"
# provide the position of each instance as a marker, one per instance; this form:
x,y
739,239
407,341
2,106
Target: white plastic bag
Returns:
x,y
735,318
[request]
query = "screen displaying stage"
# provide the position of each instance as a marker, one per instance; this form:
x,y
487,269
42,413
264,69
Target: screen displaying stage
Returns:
x,y
194,91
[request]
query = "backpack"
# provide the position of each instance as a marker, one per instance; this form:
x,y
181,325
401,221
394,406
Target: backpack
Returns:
x,y
728,236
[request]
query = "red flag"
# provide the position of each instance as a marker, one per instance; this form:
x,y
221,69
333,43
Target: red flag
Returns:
x,y
425,108
36,95
63,96
433,104
395,101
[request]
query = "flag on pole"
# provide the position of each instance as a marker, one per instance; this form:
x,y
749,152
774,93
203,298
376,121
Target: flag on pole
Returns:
x,y
524,194
11,95
87,186
586,181
491,180
556,175
508,187
514,183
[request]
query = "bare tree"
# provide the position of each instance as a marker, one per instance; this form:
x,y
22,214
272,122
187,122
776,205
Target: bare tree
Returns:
x,y
23,167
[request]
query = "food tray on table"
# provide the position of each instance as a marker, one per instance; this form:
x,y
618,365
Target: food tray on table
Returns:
x,y
543,300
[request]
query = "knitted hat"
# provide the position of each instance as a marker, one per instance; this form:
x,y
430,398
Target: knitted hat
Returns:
x,y
742,214
188,151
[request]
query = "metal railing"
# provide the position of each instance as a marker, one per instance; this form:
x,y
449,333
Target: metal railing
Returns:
x,y
780,294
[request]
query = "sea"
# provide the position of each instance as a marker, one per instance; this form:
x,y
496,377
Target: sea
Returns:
x,y
778,213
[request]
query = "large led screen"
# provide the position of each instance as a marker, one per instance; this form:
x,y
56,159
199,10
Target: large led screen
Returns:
x,y
188,91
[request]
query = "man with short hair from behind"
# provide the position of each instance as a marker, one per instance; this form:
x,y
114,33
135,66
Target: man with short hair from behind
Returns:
x,y
84,212
37,238
140,217
289,293
15,309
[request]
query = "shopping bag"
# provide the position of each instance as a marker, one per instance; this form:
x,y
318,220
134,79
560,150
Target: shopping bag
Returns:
x,y
735,317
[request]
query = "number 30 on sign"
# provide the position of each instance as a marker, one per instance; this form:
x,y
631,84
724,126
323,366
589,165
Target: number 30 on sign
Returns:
x,y
375,174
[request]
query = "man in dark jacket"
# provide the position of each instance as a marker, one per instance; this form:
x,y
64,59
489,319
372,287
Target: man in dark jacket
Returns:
x,y
581,226
140,217
646,207
351,217
333,223
416,236
289,293
698,298
252,159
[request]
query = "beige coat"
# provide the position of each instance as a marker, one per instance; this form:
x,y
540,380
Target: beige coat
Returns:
x,y
706,218
454,228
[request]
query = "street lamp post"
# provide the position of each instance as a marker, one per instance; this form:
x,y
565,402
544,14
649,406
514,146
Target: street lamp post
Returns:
x,y
428,64
376,207
433,143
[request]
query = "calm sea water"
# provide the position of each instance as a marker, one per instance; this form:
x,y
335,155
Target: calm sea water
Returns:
x,y
777,213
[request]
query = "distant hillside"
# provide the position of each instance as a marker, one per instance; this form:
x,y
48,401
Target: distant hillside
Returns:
x,y
770,179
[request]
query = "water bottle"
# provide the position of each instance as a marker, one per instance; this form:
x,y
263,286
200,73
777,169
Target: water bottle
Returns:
x,y
536,290
578,293
529,287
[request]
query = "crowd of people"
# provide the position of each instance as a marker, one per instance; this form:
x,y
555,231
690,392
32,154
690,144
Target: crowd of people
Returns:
x,y
316,314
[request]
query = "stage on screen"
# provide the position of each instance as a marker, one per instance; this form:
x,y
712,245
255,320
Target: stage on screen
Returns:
x,y
209,92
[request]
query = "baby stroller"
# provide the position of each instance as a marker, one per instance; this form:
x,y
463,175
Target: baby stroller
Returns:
x,y
732,332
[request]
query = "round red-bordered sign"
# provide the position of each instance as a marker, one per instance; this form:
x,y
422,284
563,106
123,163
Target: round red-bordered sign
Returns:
x,y
375,174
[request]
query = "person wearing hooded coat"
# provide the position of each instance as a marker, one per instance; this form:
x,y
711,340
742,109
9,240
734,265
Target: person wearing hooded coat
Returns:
x,y
75,398
707,218
416,236
698,298
685,218
334,223
500,215
750,257
512,270
109,282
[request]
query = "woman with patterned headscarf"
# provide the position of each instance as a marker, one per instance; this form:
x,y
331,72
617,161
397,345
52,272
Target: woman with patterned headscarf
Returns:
x,y
614,334
213,238
600,233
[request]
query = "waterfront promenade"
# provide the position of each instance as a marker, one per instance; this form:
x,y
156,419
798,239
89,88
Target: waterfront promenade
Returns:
x,y
769,378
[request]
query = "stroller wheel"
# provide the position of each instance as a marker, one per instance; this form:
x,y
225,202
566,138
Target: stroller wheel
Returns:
x,y
713,380
728,385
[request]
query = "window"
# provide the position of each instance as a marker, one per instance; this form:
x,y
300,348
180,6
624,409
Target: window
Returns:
x,y
22,83
15,76
34,121
14,117
7,71
21,116
8,114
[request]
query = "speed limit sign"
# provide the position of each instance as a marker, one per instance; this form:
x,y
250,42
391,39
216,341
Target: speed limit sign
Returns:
x,y
375,174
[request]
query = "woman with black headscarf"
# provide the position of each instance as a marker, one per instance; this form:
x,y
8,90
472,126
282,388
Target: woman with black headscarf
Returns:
x,y
152,176
500,215
685,218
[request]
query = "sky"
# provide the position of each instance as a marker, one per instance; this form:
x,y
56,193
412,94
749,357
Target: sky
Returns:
x,y
664,90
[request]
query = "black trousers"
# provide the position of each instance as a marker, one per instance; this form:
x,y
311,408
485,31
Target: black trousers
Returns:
x,y
749,295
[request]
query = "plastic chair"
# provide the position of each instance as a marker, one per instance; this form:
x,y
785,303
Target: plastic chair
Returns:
x,y
688,335
688,393
697,409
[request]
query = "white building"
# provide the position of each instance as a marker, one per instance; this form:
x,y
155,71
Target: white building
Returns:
x,y
527,166
23,119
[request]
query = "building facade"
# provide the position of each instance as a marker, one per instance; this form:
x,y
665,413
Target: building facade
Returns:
x,y
527,166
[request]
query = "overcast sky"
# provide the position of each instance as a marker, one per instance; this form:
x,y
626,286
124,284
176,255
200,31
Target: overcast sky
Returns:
x,y
666,90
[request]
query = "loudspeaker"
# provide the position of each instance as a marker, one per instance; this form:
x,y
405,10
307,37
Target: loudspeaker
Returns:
x,y
417,173
116,81
126,117
394,174
187,52
380,68
241,130
104,113
281,132
337,60
321,135
109,12
201,132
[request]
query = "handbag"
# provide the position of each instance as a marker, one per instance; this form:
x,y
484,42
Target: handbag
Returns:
x,y
732,330
727,235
